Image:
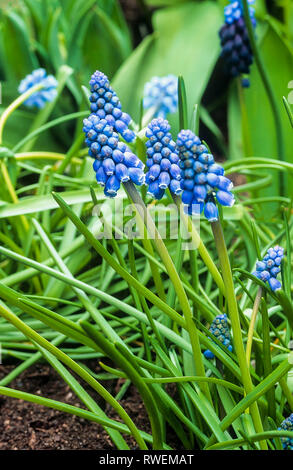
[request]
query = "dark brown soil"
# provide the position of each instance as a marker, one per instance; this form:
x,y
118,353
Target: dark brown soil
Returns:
x,y
28,426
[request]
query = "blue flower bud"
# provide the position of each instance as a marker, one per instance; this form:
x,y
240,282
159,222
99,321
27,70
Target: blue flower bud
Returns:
x,y
211,211
130,159
187,197
164,180
208,354
264,275
136,175
175,186
261,266
200,192
225,198
175,171
122,173
274,283
118,156
109,166
213,179
112,186
224,183
154,172
96,165
217,169
101,176
275,271
155,191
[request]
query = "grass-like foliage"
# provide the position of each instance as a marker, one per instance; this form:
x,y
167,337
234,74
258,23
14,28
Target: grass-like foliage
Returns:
x,y
201,327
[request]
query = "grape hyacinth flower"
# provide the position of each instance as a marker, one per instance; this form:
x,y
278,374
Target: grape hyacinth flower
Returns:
x,y
202,180
287,425
269,267
42,96
220,329
114,161
162,159
161,93
236,48
106,105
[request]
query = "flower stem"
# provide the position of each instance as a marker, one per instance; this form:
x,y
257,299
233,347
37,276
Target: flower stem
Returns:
x,y
174,276
235,322
252,324
15,104
203,252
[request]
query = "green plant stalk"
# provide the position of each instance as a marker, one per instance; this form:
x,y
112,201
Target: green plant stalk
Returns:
x,y
235,322
252,324
288,110
31,334
142,300
245,128
254,438
287,392
267,364
69,155
15,104
268,88
204,254
182,297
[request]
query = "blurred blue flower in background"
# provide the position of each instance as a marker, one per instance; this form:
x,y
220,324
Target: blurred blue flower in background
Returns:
x,y
220,329
234,11
236,49
44,95
270,266
202,180
161,94
162,160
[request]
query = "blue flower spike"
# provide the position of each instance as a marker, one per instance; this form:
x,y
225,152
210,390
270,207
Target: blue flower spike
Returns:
x,y
220,329
114,162
236,48
269,267
202,180
287,425
106,105
162,160
161,93
42,96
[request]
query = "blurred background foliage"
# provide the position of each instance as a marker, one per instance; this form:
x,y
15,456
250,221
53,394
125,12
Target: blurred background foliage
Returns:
x,y
134,40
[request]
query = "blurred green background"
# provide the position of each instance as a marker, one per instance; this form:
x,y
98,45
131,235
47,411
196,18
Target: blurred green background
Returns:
x,y
131,41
